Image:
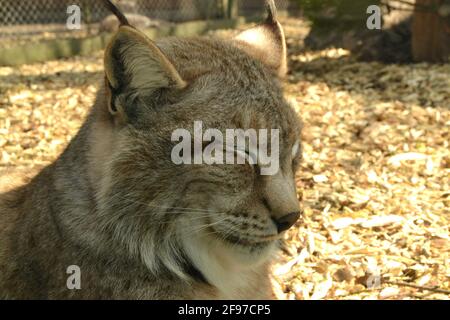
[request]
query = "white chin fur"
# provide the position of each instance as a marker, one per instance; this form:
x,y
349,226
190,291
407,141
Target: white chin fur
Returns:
x,y
226,266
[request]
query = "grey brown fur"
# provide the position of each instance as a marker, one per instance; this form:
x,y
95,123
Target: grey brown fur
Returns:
x,y
137,225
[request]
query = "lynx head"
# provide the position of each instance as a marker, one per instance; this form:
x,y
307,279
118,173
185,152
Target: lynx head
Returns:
x,y
205,216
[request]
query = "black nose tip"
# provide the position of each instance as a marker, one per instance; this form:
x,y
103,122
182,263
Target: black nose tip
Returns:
x,y
287,221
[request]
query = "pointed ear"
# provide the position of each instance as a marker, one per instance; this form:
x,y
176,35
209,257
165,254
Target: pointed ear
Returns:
x,y
134,63
266,42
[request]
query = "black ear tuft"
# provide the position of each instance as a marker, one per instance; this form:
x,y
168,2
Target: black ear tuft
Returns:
x,y
272,14
120,16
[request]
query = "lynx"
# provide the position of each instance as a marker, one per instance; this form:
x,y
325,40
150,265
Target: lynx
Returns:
x,y
137,225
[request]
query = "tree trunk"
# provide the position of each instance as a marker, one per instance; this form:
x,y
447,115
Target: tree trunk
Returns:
x,y
430,32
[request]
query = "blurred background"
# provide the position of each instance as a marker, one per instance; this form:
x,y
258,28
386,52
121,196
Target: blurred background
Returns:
x,y
339,23
47,18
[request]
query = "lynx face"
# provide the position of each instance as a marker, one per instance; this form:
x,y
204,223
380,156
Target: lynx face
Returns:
x,y
210,216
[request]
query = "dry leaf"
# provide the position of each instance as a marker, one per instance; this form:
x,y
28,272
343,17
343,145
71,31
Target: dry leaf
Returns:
x,y
389,292
381,221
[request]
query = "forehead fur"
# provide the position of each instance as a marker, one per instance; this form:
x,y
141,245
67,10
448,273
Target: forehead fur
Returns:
x,y
219,60
227,81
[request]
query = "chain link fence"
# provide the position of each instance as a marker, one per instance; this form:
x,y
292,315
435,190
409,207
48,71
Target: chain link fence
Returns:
x,y
14,12
22,20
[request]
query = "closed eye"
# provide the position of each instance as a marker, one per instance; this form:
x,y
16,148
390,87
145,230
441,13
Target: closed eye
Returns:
x,y
295,149
296,156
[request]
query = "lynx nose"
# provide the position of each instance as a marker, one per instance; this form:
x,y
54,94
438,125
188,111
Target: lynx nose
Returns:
x,y
285,222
